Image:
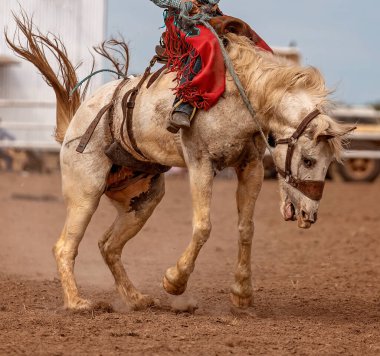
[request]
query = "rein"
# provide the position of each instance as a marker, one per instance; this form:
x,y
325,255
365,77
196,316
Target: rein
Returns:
x,y
79,84
311,189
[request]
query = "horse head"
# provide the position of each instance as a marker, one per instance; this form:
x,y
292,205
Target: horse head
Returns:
x,y
303,162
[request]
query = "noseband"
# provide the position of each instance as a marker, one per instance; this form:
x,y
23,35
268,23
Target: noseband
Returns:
x,y
310,188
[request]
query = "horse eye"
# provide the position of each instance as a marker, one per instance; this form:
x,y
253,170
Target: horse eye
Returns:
x,y
307,162
271,140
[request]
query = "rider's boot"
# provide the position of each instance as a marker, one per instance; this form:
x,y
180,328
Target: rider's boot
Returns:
x,y
180,117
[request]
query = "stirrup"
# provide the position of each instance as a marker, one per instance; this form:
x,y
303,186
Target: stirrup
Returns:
x,y
172,126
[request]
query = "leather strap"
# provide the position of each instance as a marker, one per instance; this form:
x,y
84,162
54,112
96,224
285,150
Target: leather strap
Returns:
x,y
128,138
291,142
90,130
110,106
128,105
155,76
313,189
304,124
112,109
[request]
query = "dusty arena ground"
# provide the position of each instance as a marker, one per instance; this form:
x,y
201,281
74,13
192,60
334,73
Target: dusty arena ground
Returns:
x,y
317,292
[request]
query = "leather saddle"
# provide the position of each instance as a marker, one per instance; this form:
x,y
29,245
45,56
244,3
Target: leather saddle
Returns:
x,y
228,24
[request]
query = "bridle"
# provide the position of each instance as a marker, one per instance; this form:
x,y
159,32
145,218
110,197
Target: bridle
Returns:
x,y
313,189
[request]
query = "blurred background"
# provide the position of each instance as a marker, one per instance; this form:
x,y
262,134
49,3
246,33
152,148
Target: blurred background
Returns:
x,y
339,37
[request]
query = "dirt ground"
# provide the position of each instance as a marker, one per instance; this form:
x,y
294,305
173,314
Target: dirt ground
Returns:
x,y
317,292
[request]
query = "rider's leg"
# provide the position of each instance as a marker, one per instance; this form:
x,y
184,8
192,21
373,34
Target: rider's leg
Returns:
x,y
181,115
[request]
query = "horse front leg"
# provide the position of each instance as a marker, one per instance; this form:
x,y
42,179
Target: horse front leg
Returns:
x,y
250,181
201,178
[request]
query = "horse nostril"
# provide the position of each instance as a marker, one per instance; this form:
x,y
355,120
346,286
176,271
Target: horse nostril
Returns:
x,y
315,217
304,215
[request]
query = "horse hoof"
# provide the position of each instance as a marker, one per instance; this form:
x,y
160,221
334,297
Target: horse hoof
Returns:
x,y
241,302
144,302
173,289
79,304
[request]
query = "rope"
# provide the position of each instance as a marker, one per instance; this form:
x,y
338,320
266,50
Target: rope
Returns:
x,y
239,85
91,75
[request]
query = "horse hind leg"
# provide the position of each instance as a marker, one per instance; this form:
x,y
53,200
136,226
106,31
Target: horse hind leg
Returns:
x,y
135,205
80,208
83,183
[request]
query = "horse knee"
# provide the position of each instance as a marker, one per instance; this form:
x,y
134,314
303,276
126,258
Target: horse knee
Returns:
x,y
202,231
246,230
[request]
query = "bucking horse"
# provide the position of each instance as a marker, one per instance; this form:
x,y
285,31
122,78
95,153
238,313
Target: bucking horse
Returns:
x,y
291,102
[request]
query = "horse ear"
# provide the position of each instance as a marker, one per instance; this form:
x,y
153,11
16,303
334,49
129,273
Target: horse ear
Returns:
x,y
330,133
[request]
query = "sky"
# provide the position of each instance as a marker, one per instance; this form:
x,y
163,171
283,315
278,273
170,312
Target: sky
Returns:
x,y
340,37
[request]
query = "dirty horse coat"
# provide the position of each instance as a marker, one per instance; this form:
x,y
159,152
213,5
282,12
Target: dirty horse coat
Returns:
x,y
225,136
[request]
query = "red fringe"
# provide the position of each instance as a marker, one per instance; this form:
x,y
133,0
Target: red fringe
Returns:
x,y
205,88
178,52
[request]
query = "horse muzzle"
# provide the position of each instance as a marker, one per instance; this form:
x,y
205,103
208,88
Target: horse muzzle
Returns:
x,y
304,217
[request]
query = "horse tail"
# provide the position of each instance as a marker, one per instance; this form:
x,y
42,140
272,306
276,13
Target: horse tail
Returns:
x,y
62,81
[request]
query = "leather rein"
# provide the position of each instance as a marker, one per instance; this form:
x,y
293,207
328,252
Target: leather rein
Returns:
x,y
310,188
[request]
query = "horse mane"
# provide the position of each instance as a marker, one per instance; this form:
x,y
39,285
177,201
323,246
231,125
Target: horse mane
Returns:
x,y
278,76
326,126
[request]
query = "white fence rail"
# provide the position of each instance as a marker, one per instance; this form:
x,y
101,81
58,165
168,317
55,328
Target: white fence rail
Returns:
x,y
25,104
31,145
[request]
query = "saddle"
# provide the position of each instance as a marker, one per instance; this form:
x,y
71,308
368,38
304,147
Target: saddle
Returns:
x,y
228,24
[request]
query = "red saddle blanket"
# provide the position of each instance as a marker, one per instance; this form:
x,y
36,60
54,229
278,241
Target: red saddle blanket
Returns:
x,y
204,90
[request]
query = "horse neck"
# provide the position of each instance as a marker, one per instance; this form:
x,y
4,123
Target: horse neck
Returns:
x,y
281,111
276,89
